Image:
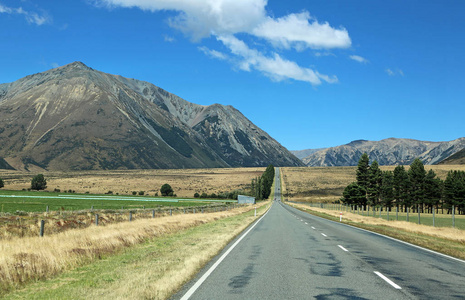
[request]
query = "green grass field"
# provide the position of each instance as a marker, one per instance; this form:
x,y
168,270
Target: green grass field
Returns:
x,y
12,201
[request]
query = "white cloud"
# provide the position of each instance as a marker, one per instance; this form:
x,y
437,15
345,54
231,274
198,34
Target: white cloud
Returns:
x,y
213,53
301,31
275,67
169,39
359,59
31,17
391,72
224,19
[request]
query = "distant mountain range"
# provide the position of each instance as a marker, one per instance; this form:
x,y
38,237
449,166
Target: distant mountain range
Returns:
x,y
390,151
76,118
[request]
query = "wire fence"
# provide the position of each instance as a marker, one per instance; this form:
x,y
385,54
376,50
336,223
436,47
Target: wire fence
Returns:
x,y
436,218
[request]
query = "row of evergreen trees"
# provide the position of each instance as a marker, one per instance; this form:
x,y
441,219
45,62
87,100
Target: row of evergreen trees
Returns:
x,y
414,188
261,186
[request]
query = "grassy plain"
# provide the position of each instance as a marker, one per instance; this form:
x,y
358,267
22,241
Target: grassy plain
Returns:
x,y
185,182
326,184
144,259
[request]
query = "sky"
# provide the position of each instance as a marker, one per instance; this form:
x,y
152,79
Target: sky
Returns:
x,y
311,73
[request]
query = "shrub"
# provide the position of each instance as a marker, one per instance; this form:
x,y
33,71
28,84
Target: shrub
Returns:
x,y
166,190
39,182
134,193
196,195
204,195
1,183
57,190
141,193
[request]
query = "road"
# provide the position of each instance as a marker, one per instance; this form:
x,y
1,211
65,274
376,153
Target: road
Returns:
x,y
289,254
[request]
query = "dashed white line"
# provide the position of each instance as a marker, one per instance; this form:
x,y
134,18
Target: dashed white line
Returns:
x,y
306,223
323,234
388,280
343,248
313,227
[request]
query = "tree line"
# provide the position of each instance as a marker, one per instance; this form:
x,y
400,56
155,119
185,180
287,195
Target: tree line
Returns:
x,y
415,189
261,186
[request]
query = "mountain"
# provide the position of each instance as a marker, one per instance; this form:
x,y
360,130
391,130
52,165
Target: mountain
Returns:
x,y
390,151
455,159
77,118
301,154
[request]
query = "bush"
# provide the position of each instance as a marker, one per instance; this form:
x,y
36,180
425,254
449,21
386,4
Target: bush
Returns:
x,y
166,190
196,195
39,182
57,190
141,193
134,193
1,183
204,195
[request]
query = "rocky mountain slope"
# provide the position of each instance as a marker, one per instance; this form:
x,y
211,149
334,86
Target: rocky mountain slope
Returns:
x,y
390,151
455,159
74,117
301,154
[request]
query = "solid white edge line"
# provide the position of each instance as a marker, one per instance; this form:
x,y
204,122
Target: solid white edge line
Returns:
x,y
192,290
394,239
343,248
324,234
388,280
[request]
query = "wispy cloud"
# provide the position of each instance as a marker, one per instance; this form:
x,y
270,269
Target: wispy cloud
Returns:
x,y
169,39
213,53
30,16
359,59
225,19
395,72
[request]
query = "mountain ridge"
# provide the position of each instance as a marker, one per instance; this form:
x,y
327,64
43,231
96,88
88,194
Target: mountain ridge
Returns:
x,y
75,117
390,151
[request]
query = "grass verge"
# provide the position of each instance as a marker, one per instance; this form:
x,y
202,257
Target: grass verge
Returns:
x,y
154,269
450,241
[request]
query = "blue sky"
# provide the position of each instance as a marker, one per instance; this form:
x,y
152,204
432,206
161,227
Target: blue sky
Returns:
x,y
311,73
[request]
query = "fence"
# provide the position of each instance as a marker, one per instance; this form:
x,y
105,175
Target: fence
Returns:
x,y
50,222
434,219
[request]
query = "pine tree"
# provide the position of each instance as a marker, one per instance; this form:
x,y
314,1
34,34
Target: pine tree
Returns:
x,y
417,175
387,189
374,183
362,171
354,195
433,190
2,184
401,183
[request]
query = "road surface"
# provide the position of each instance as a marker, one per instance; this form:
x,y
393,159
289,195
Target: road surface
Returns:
x,y
289,254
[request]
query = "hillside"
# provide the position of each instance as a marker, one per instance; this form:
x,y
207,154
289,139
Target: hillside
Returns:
x,y
455,159
75,118
390,151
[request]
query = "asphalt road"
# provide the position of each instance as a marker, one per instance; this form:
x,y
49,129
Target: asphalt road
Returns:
x,y
289,254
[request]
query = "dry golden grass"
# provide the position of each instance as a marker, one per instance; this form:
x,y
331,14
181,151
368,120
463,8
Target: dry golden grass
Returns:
x,y
30,258
185,182
326,184
441,232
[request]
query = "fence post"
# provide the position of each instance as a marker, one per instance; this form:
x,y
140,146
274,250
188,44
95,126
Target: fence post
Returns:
x,y
96,219
453,216
408,209
92,208
379,212
47,209
130,216
397,213
387,210
171,212
194,211
42,225
153,213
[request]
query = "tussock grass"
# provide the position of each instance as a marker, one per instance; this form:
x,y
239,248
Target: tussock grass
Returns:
x,y
185,182
326,184
446,240
23,260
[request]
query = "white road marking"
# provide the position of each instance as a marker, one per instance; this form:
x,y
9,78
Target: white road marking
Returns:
x,y
388,280
343,248
192,290
306,223
323,234
313,227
